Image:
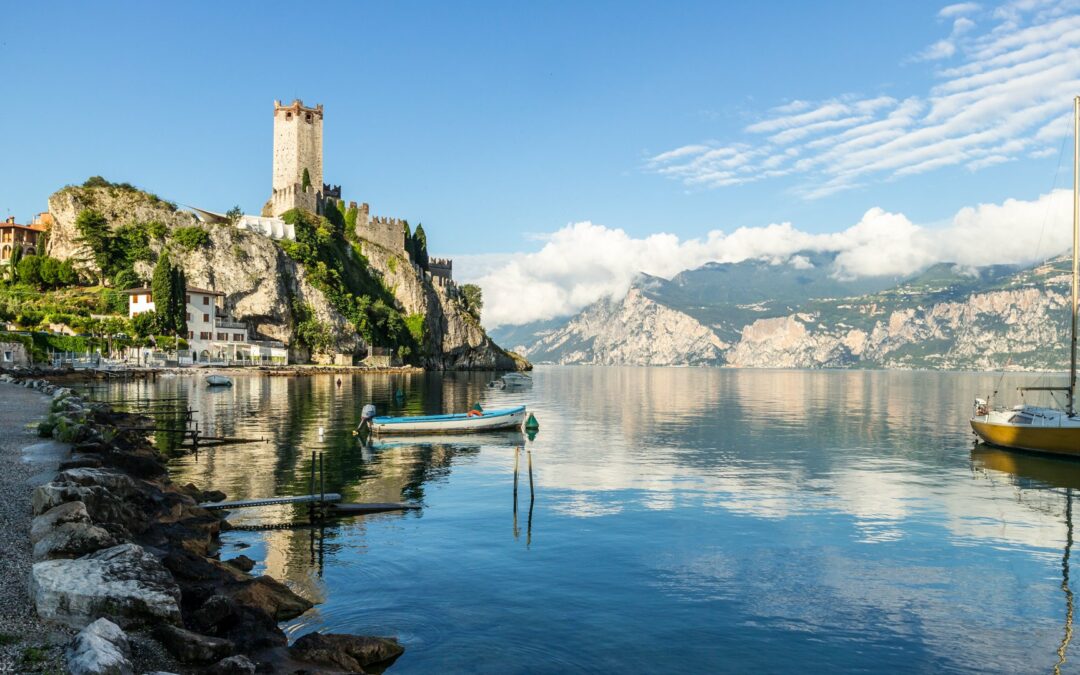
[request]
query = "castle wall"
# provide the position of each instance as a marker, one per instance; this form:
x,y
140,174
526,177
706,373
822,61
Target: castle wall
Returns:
x,y
441,268
386,232
297,145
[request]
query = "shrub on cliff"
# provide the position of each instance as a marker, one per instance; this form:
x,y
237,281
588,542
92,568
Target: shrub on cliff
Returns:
x,y
191,237
338,269
114,250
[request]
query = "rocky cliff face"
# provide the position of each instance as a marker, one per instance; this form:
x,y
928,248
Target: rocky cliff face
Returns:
x,y
941,319
262,284
635,330
454,340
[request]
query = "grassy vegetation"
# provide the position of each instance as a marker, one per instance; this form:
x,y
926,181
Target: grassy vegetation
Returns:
x,y
339,269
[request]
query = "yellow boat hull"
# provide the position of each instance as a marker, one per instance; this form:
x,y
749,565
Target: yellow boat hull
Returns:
x,y
1055,440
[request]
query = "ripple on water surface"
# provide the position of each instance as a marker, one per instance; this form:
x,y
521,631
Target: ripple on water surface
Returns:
x,y
688,520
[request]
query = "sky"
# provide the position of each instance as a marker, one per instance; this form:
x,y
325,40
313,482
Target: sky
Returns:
x,y
557,149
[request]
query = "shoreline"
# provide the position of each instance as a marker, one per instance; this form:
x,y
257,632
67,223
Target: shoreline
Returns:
x,y
22,633
127,561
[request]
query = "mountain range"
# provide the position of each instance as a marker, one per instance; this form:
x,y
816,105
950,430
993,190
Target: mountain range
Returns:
x,y
796,312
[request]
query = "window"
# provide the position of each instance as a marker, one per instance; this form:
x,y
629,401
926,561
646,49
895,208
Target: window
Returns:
x,y
288,116
1021,418
189,316
206,299
146,298
204,335
238,337
187,298
223,337
206,318
191,335
8,357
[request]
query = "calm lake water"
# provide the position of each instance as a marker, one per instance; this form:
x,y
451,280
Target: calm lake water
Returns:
x,y
685,520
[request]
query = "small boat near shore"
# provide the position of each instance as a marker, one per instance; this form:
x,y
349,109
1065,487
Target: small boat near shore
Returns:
x,y
511,381
218,381
458,423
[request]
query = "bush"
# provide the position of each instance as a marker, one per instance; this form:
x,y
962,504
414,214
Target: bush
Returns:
x,y
191,237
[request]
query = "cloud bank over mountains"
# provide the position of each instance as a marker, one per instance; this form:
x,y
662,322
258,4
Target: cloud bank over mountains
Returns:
x,y
1005,81
584,262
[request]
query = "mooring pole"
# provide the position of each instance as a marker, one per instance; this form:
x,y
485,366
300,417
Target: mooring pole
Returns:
x,y
311,506
322,486
531,495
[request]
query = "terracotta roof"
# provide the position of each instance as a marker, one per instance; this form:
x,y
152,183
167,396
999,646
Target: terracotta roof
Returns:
x,y
190,289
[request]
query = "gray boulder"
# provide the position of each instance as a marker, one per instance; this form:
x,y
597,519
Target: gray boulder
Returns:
x,y
71,540
191,647
233,665
346,652
99,649
124,583
68,512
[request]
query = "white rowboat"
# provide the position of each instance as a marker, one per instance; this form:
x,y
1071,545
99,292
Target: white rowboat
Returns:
x,y
490,420
218,381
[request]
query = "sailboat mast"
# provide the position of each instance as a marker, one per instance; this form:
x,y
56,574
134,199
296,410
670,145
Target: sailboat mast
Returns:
x,y
1076,252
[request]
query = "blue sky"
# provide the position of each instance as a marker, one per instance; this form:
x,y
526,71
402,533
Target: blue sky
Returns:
x,y
496,124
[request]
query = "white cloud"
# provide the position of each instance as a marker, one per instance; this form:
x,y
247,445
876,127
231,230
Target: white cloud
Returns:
x,y
958,9
584,262
1004,98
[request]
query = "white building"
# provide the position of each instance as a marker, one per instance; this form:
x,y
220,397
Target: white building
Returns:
x,y
211,334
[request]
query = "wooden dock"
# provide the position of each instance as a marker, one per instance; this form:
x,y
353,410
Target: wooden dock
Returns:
x,y
328,498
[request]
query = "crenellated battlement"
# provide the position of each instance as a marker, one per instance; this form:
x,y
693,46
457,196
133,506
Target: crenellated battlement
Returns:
x,y
441,268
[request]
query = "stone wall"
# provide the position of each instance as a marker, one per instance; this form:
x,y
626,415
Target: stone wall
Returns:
x,y
13,355
386,232
441,268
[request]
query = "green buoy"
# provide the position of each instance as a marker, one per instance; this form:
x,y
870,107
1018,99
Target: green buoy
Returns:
x,y
531,424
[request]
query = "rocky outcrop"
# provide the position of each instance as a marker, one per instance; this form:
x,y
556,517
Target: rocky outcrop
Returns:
x,y
124,583
454,340
162,579
634,330
349,653
263,285
100,649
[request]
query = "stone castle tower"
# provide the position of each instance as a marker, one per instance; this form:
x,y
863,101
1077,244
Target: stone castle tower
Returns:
x,y
297,147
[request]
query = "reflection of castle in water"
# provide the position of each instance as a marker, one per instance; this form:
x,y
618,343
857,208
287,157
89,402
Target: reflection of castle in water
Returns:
x,y
287,413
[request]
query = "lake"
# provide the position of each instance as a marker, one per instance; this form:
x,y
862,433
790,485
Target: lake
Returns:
x,y
684,520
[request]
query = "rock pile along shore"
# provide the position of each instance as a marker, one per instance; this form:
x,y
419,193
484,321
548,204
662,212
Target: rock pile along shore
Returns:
x,y
122,555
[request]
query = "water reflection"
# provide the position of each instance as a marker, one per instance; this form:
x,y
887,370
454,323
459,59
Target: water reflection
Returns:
x,y
769,519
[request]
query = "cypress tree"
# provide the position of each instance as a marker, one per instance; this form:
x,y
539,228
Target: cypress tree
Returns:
x,y
306,180
408,240
13,263
420,246
161,288
179,308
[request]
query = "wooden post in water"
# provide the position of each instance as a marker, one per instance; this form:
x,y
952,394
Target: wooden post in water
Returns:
x,y
517,457
322,485
531,494
311,506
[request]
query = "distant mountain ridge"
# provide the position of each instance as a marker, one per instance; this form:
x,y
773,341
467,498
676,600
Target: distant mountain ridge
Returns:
x,y
796,313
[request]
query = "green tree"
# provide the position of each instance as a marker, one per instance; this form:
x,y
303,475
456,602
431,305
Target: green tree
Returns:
x,y
409,249
94,233
13,264
30,270
234,214
473,299
178,304
420,246
144,324
306,180
67,275
50,272
161,288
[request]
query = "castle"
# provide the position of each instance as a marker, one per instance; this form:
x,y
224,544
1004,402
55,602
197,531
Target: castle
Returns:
x,y
298,184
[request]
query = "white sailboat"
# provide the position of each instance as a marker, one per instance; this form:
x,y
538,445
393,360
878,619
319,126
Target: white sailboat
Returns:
x,y
1039,428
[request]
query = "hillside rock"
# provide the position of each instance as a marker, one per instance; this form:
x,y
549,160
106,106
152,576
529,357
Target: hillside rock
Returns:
x,y
942,318
262,284
454,340
124,583
634,330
